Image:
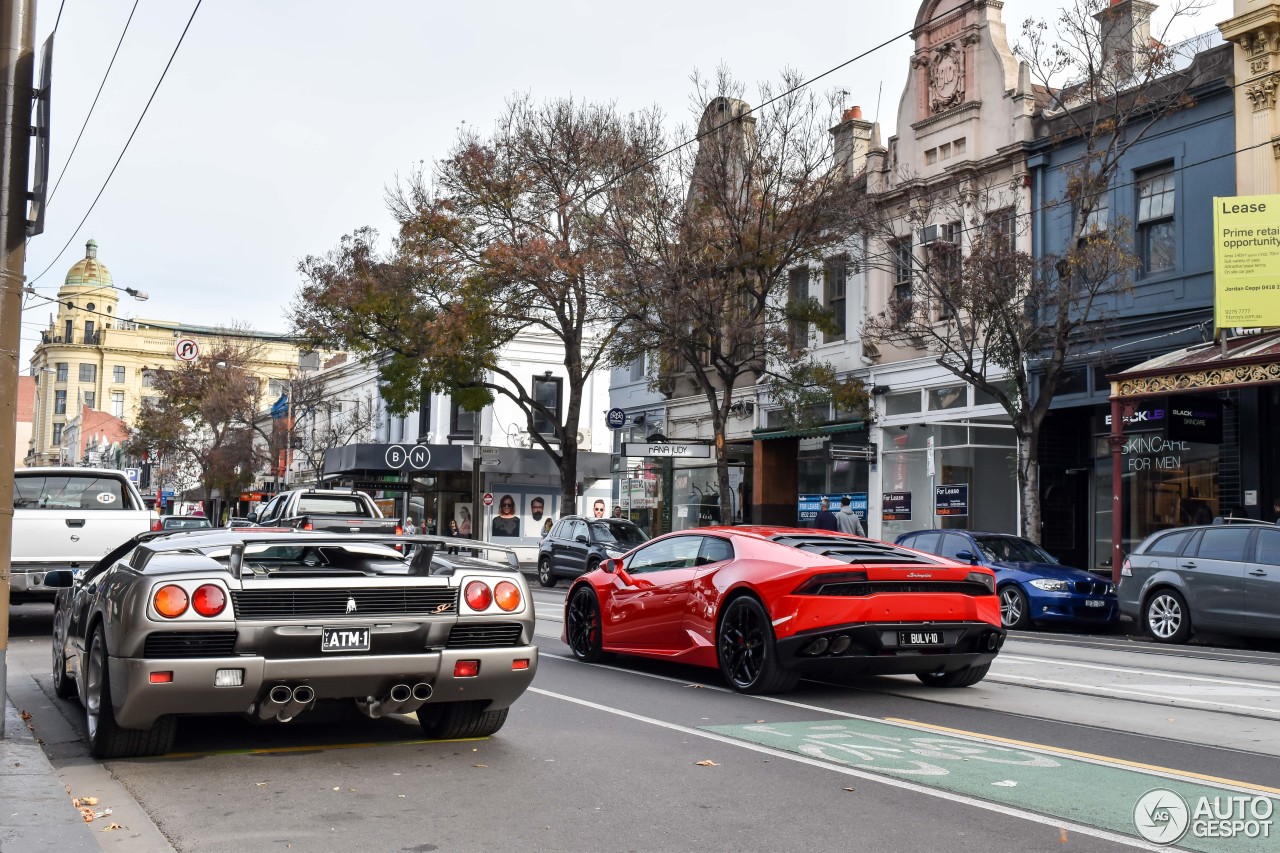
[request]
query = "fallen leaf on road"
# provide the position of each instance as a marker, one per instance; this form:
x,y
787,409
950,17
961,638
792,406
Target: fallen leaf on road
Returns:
x,y
110,827
707,763
259,784
1062,836
479,765
338,788
24,715
1007,783
87,814
851,789
84,801
401,796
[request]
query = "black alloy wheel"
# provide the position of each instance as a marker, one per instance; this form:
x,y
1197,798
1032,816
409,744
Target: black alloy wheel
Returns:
x,y
545,576
746,649
582,625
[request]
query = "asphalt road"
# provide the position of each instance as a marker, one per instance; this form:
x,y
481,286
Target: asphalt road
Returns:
x,y
1052,751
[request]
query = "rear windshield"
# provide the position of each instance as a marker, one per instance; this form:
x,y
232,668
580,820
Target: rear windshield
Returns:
x,y
186,523
333,505
623,533
84,492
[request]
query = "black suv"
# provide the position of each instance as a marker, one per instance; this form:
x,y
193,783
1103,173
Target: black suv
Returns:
x,y
576,545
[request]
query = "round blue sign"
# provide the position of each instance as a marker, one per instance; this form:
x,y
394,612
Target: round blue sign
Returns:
x,y
615,419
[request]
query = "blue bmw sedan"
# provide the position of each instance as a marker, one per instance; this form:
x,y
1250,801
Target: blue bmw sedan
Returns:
x,y
1033,586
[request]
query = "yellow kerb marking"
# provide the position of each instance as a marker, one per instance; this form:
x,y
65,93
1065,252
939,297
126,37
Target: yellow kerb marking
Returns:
x,y
1105,759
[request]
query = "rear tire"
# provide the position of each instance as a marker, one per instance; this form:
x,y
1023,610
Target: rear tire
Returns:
x,y
966,677
1166,618
452,720
583,626
64,686
545,576
106,738
747,650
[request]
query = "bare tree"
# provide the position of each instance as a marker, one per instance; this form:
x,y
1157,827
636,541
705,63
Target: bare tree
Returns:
x,y
992,315
509,242
709,236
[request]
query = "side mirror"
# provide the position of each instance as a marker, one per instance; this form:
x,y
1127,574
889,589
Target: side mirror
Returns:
x,y
581,539
612,565
967,555
59,578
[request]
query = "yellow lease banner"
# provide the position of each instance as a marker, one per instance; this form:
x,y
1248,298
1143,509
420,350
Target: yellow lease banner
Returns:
x,y
1246,261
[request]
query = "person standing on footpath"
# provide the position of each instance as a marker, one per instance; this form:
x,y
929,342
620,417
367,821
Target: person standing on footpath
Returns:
x,y
848,519
826,519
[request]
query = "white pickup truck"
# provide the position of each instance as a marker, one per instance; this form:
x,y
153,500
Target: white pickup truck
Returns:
x,y
68,518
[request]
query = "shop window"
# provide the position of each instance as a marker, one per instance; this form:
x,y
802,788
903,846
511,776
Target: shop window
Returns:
x,y
547,392
948,397
60,402
982,398
834,285
798,293
63,371
1155,220
117,373
88,372
902,403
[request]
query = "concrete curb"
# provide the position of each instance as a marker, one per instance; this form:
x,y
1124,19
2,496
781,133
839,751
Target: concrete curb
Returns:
x,y
35,809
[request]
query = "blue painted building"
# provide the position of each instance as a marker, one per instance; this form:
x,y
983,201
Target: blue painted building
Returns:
x,y
1162,194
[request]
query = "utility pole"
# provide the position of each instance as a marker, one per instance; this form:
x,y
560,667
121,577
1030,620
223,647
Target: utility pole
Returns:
x,y
17,75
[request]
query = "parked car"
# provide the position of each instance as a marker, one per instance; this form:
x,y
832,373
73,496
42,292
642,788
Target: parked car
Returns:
x,y
1211,577
765,605
577,545
184,522
1033,585
266,623
68,518
334,510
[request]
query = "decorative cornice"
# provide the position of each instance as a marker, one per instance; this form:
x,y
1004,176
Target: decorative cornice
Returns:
x,y
1211,377
1263,93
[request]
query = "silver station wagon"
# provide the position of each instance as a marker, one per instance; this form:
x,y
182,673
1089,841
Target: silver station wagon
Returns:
x,y
1223,578
265,624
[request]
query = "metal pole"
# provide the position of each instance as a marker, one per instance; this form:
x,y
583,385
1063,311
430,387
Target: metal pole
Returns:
x,y
476,499
17,71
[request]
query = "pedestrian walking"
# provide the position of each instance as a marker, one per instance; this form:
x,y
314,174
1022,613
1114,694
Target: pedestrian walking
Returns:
x,y
847,519
826,519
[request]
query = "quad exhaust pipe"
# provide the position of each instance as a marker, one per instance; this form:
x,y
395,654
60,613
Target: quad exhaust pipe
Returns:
x,y
401,699
283,702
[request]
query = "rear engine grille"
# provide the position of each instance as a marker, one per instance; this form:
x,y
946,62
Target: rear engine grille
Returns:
x,y
477,636
903,587
190,644
315,603
1091,587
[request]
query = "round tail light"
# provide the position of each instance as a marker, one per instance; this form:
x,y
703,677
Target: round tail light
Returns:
x,y
170,601
507,595
209,600
478,595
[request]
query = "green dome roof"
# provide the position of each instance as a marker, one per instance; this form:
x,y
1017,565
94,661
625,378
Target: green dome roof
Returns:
x,y
89,271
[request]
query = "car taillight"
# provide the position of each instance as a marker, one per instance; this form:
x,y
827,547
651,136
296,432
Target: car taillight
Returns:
x,y
478,595
986,579
308,526
399,530
466,669
507,595
170,601
1126,570
157,525
209,600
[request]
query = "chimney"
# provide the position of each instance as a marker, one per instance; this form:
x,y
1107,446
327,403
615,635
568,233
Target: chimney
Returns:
x,y
1125,33
853,141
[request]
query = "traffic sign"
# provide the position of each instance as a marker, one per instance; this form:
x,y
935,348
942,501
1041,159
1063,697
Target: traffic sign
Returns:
x,y
488,498
134,475
186,349
615,418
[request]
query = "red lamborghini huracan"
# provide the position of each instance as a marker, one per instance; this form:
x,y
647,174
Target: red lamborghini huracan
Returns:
x,y
766,604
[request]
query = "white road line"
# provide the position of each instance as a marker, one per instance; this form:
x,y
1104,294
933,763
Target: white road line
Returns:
x,y
1017,658
1128,691
892,782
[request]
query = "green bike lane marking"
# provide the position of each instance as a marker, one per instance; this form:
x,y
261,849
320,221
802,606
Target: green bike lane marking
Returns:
x,y
1219,815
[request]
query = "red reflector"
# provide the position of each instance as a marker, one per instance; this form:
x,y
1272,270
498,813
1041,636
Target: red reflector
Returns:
x,y
308,526
466,669
523,663
161,677
399,530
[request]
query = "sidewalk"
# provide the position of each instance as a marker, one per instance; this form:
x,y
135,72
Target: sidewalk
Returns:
x,y
35,809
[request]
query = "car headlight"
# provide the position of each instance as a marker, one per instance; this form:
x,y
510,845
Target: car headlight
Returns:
x,y
613,552
1111,588
1049,585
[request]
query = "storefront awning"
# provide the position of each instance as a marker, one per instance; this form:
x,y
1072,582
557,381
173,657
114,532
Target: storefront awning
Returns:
x,y
1249,360
808,432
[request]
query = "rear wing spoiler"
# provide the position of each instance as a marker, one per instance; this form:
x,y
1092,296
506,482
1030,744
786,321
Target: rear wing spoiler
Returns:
x,y
423,548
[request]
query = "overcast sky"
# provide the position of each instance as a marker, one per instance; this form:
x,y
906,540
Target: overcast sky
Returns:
x,y
280,123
